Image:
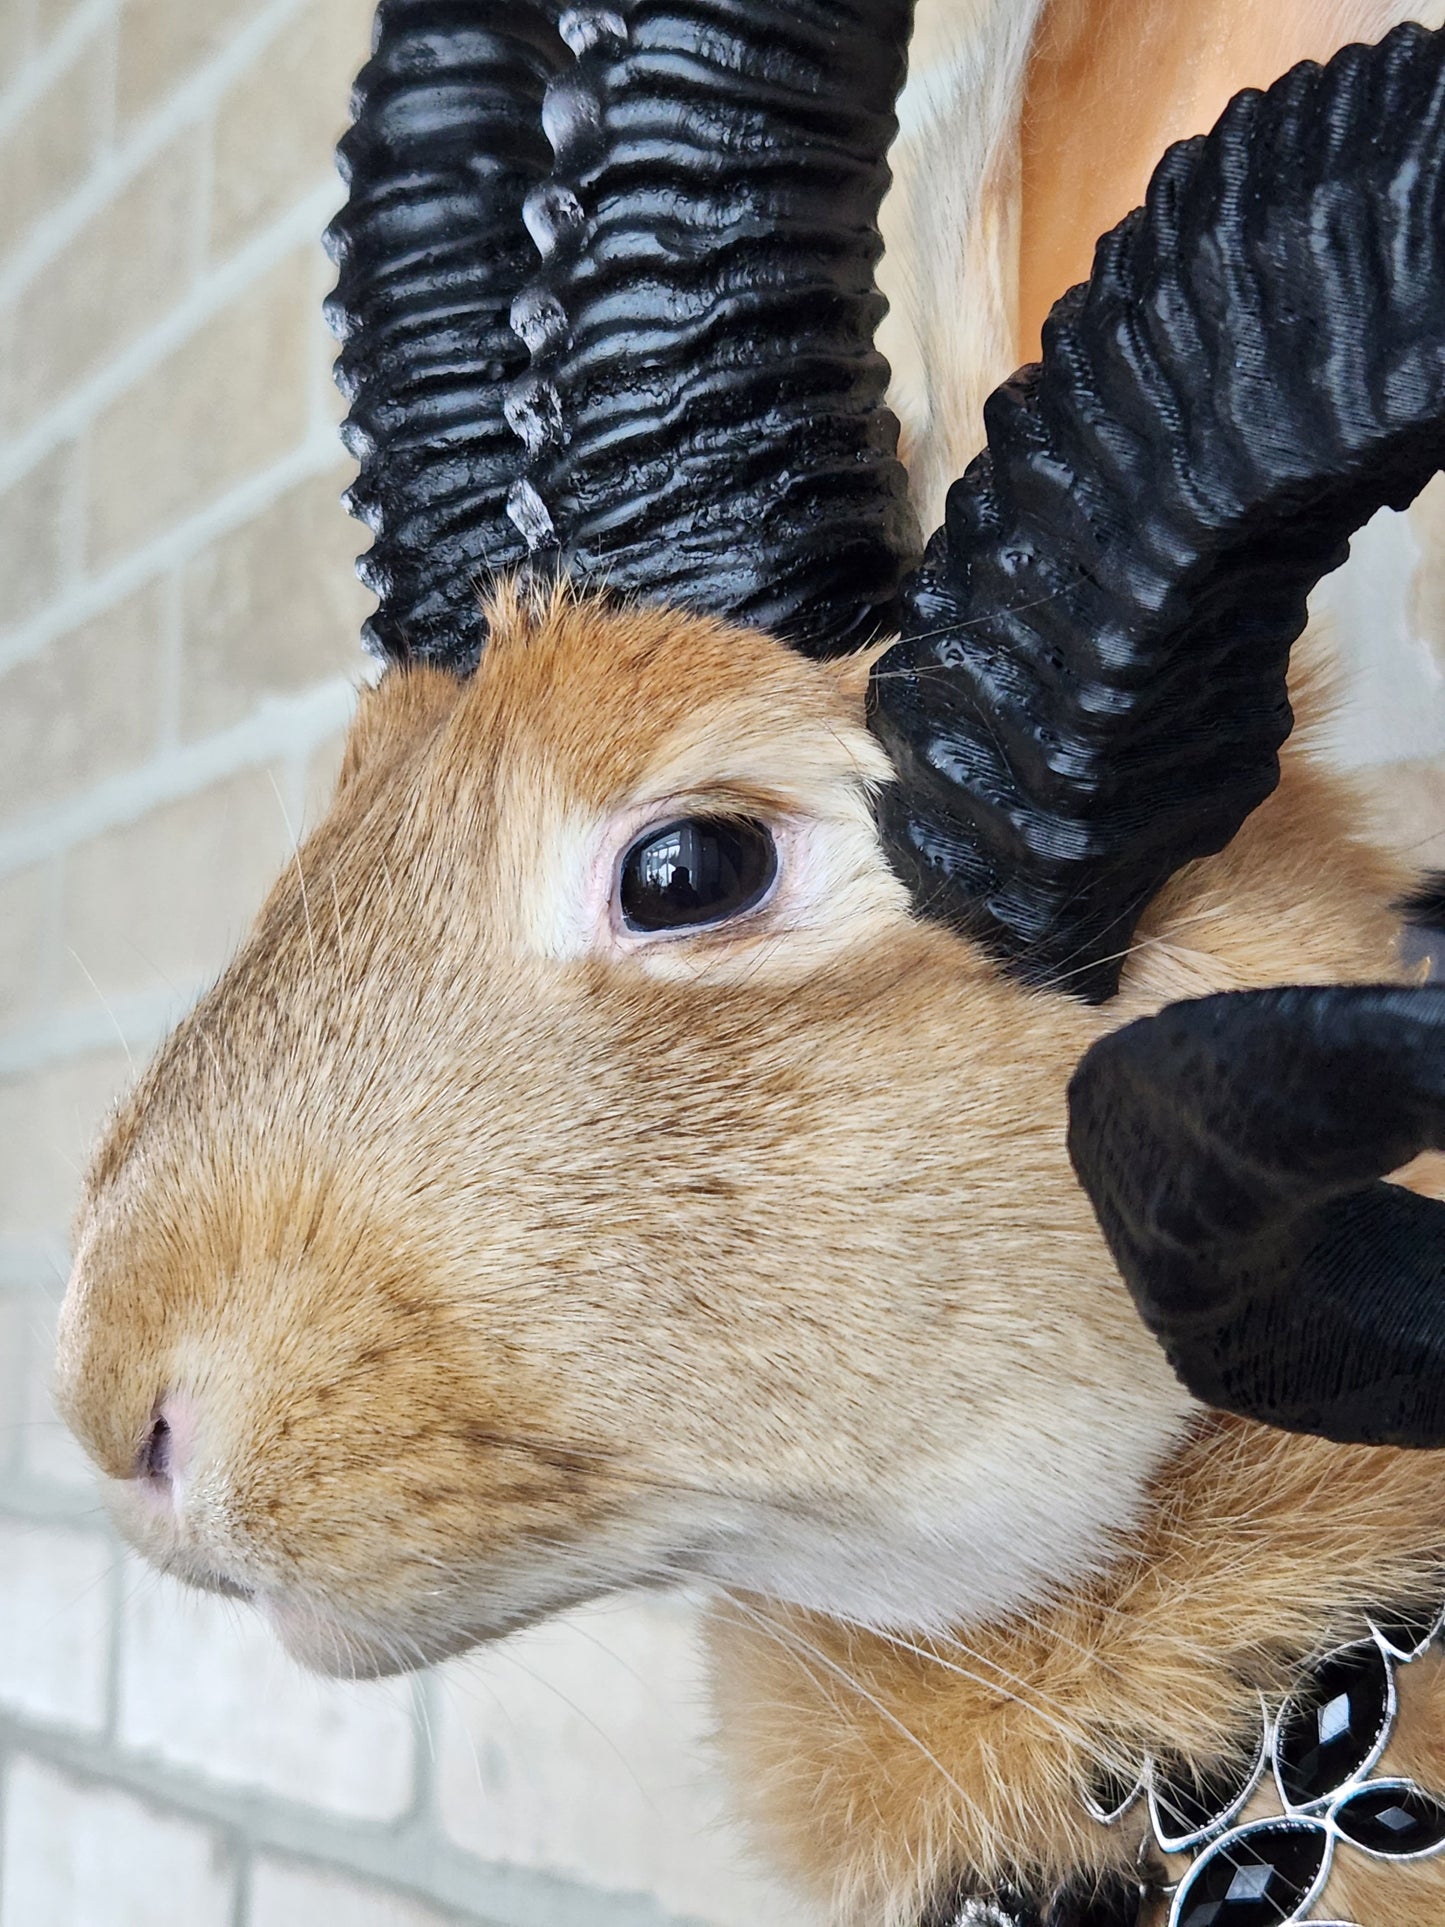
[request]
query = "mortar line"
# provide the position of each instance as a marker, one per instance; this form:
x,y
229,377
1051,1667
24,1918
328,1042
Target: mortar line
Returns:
x,y
93,595
193,99
482,1893
207,299
241,1898
279,728
43,67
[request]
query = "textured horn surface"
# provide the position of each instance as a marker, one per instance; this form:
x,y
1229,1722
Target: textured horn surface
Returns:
x,y
704,407
607,299
1233,1148
431,249
1090,687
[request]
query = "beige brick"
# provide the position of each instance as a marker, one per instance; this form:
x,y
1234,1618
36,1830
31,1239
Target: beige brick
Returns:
x,y
9,401
36,529
55,1608
51,16
48,1450
1427,521
85,707
17,31
48,1123
121,273
578,1748
272,607
206,1687
14,1306
230,400
25,905
287,1896
164,901
76,1856
49,151
278,126
162,42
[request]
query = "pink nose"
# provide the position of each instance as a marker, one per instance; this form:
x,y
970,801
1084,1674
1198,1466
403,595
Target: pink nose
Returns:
x,y
165,1455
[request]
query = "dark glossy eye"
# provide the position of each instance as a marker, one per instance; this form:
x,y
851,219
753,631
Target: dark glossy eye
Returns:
x,y
698,870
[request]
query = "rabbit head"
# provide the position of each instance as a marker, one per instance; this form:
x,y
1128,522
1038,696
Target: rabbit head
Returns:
x,y
473,1251
631,1143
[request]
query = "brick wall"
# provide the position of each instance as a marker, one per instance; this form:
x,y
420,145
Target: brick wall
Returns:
x,y
178,618
177,648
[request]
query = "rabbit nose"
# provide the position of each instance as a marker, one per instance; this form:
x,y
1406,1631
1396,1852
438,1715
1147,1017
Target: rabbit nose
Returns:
x,y
164,1455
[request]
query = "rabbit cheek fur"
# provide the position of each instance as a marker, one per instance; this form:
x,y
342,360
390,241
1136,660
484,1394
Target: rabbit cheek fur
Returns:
x,y
496,1259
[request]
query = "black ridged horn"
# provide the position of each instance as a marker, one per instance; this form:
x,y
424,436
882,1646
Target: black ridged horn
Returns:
x,y
704,408
431,248
608,301
1090,687
1232,1148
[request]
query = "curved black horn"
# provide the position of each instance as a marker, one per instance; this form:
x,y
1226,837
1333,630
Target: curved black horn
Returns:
x,y
1232,1148
705,404
431,248
674,203
1090,687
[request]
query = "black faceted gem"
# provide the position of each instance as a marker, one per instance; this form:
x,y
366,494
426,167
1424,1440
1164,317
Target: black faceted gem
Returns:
x,y
1336,1726
1188,1807
1408,1633
1259,1876
1394,1819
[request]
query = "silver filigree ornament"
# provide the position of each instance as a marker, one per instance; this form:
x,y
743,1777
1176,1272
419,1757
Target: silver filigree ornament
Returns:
x,y
1322,1749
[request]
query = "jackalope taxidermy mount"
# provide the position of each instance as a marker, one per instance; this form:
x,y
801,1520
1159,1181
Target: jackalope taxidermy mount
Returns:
x,y
656,1167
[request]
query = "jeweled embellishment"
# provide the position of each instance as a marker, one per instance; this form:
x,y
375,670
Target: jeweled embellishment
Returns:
x,y
1110,1794
1327,1740
1336,1727
1392,1819
1263,1875
1407,1635
1188,1809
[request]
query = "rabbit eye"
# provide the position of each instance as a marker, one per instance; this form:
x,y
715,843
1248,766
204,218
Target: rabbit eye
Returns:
x,y
698,870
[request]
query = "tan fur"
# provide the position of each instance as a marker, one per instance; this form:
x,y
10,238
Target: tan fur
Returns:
x,y
877,1765
395,1066
498,1278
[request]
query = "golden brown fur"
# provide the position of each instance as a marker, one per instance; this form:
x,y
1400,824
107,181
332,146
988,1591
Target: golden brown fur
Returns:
x,y
500,1273
411,1061
875,1765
